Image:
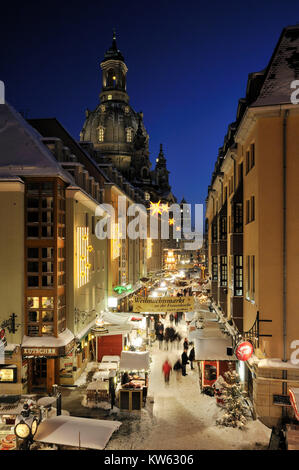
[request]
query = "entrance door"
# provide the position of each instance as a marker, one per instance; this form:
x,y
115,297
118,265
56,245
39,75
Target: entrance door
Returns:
x,y
39,373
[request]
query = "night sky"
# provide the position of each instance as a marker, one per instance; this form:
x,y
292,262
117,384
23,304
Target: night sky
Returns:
x,y
188,64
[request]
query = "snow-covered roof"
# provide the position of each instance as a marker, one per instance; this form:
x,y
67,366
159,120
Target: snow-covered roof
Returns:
x,y
22,150
85,330
282,70
111,359
73,431
117,318
63,339
10,347
131,361
213,349
98,385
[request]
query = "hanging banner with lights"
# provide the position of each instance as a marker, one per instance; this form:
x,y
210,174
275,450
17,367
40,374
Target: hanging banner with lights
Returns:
x,y
84,250
163,304
244,350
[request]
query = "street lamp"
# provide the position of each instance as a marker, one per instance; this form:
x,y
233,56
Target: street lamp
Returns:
x,y
26,427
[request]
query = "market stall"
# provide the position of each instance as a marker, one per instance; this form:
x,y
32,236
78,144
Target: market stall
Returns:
x,y
132,391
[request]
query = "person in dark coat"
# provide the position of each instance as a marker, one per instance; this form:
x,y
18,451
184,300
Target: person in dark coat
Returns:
x,y
177,368
184,362
192,356
160,337
186,344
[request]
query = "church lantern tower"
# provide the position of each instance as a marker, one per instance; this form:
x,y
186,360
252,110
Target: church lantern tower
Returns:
x,y
114,72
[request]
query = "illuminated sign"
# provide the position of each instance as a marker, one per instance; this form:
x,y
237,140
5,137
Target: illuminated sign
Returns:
x,y
8,375
163,304
149,248
244,350
122,289
83,252
115,240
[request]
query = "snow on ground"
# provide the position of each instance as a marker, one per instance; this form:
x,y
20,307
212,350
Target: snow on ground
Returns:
x,y
178,416
182,418
83,377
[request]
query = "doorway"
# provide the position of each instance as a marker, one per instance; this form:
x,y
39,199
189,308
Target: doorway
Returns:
x,y
38,373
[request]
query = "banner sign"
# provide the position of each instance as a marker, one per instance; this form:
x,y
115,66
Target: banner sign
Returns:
x,y
163,304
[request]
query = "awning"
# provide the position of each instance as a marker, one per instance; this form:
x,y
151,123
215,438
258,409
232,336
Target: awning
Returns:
x,y
75,432
132,361
294,396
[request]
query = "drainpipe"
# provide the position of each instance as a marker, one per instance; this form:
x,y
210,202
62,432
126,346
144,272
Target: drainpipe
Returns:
x,y
284,249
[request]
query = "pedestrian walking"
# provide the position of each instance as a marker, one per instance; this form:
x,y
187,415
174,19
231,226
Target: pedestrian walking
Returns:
x,y
184,362
171,318
177,368
166,369
178,339
192,356
186,344
160,337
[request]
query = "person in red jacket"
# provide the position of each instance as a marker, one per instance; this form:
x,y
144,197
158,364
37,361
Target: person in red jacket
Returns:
x,y
166,369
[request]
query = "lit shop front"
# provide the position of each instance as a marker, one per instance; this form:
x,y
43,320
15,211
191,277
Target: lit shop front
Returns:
x,y
43,364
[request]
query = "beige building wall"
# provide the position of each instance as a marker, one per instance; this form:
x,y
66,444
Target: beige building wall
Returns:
x,y
12,273
12,255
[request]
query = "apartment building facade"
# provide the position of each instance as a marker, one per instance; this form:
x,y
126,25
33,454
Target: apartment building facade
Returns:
x,y
252,224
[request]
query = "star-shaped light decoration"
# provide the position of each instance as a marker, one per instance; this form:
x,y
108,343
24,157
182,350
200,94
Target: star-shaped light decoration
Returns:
x,y
155,208
171,221
165,208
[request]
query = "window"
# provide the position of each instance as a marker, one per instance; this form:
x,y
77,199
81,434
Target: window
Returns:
x,y
250,210
247,161
250,286
250,158
238,217
129,134
223,228
223,271
101,133
238,275
214,268
214,232
248,277
40,316
253,277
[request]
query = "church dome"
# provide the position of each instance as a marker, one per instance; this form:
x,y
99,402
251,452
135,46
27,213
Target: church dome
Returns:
x,y
113,127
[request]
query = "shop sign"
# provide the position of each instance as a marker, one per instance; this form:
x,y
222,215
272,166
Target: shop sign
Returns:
x,y
244,350
8,375
122,289
163,304
40,352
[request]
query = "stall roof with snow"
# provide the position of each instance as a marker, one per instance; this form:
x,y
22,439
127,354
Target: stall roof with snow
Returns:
x,y
130,360
210,344
73,431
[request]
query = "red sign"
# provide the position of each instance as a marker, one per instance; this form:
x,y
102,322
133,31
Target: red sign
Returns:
x,y
244,350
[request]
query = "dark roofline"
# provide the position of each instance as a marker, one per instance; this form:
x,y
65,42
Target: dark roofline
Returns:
x,y
91,163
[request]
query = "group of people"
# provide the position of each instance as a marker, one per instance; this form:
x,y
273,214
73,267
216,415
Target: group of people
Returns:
x,y
181,364
169,336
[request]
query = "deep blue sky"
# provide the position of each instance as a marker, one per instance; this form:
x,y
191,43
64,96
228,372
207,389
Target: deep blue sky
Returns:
x,y
188,65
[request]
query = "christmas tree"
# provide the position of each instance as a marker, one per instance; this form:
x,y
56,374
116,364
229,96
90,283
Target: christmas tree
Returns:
x,y
236,410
